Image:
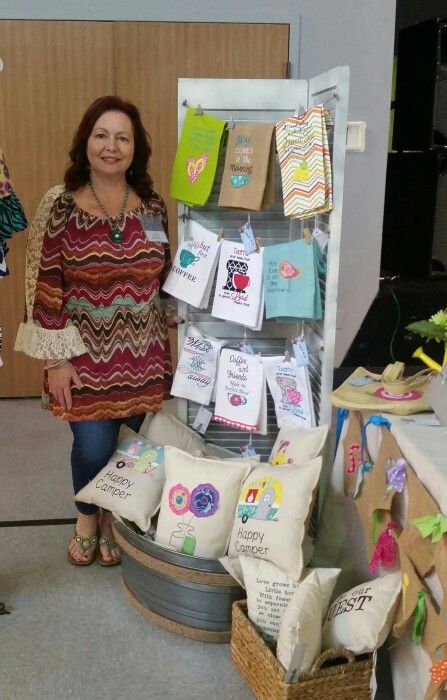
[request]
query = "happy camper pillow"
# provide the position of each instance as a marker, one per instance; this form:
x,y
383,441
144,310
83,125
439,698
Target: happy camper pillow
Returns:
x,y
271,514
198,502
131,483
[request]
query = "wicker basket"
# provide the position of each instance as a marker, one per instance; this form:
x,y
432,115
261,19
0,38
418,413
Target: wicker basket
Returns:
x,y
265,675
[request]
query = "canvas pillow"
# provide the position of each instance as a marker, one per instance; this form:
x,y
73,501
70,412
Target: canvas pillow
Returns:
x,y
361,618
295,444
269,591
131,484
198,503
165,429
301,625
271,514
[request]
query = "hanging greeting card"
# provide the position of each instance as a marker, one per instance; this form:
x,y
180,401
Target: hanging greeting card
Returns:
x,y
247,167
191,276
290,388
305,164
241,400
239,291
196,370
196,158
291,282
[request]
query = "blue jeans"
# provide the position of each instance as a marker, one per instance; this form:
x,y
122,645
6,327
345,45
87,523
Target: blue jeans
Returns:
x,y
94,442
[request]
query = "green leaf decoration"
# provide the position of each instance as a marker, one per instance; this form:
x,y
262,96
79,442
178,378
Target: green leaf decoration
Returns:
x,y
430,330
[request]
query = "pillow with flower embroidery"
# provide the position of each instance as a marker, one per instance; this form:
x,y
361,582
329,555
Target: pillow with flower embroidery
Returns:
x,y
198,503
131,483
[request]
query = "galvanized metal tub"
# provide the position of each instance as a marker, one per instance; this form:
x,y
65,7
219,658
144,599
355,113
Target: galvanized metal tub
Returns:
x,y
188,595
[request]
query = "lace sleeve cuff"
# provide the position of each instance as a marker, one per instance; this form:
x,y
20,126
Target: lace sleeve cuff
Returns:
x,y
45,344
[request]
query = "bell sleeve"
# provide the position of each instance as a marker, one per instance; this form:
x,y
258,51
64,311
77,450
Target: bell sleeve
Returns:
x,y
47,332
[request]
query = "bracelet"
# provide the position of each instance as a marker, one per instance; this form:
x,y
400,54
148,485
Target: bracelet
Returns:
x,y
54,364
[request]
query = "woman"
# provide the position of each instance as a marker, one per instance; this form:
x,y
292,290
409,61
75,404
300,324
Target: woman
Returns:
x,y
97,255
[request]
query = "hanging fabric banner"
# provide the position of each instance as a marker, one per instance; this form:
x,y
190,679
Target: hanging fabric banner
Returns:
x,y
196,371
248,178
241,400
305,164
196,158
291,283
192,273
239,295
290,388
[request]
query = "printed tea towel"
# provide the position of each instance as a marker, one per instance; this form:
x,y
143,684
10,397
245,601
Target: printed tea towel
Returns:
x,y
196,158
192,273
290,388
196,371
241,400
305,164
291,284
239,295
248,178
12,216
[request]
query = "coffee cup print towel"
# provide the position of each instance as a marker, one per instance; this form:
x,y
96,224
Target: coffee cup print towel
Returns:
x,y
291,282
290,388
196,371
249,172
239,291
191,276
241,400
196,158
305,164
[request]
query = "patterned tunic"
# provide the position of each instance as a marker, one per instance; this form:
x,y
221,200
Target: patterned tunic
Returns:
x,y
104,296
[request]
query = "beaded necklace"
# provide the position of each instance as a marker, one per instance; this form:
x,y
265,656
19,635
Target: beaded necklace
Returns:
x,y
116,235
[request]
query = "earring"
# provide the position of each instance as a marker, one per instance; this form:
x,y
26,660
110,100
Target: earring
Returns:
x,y
130,172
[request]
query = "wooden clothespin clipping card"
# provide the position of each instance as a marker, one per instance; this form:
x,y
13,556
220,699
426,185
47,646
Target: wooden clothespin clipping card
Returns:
x,y
220,235
258,245
287,357
307,235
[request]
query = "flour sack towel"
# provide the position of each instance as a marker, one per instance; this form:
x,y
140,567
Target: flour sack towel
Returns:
x,y
305,164
196,158
290,389
239,290
196,371
291,280
247,162
190,278
241,392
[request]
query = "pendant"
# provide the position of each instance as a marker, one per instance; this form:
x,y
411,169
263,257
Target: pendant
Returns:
x,y
116,236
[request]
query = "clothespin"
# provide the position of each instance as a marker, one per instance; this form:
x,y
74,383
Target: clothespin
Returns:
x,y
185,213
287,357
248,217
199,111
220,235
258,245
307,235
299,112
231,124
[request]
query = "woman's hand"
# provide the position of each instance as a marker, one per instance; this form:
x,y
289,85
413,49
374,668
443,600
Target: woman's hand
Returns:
x,y
60,380
173,320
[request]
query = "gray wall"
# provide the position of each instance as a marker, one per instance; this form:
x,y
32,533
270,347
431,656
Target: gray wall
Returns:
x,y
358,33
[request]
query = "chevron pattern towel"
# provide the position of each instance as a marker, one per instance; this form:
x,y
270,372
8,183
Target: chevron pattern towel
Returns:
x,y
305,164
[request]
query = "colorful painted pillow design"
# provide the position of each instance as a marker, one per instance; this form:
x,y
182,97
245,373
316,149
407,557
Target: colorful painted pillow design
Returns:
x,y
271,514
198,502
131,484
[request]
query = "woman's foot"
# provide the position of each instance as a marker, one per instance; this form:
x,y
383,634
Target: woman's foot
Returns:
x,y
109,550
82,546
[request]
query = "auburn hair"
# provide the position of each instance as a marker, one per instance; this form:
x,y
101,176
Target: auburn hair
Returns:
x,y
78,173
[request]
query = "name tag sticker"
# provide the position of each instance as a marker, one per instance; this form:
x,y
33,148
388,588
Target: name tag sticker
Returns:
x,y
153,228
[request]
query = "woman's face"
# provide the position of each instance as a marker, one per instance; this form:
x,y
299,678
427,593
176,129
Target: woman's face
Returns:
x,y
110,146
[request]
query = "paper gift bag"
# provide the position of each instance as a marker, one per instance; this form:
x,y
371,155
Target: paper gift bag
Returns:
x,y
247,165
191,276
305,164
290,389
196,371
241,400
239,291
196,158
291,282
